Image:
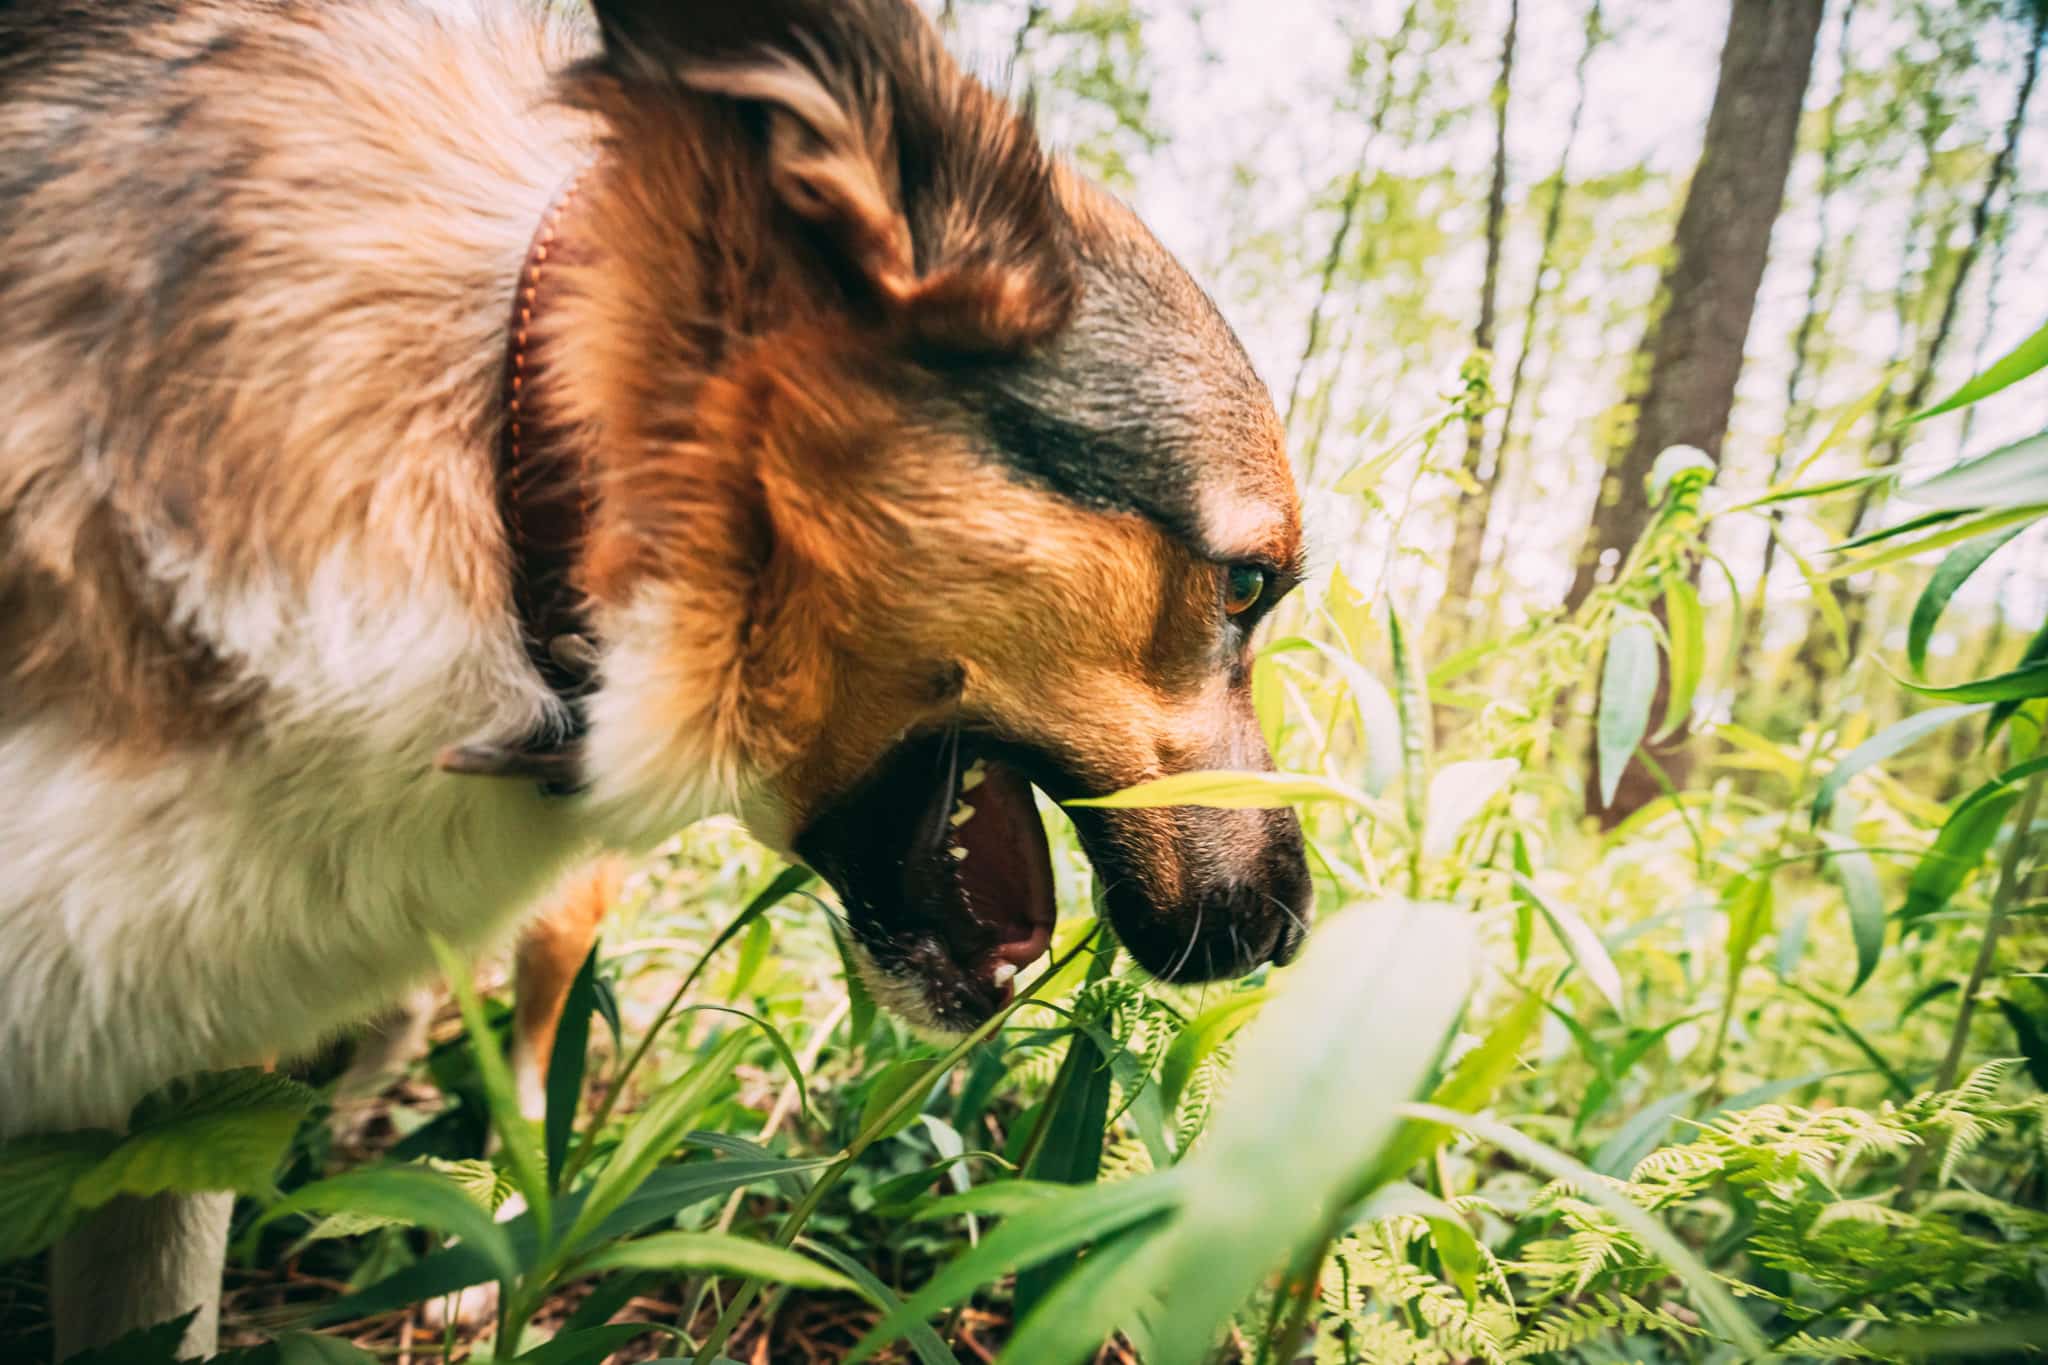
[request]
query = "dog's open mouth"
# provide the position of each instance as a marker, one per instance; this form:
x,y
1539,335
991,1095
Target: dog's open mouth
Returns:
x,y
941,860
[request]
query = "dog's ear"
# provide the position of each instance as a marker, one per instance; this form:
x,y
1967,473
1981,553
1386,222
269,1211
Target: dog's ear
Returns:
x,y
933,192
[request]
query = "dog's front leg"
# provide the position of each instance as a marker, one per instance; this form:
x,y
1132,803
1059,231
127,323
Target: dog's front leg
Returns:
x,y
138,1262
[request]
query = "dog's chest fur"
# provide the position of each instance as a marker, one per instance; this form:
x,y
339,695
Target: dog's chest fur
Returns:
x,y
253,306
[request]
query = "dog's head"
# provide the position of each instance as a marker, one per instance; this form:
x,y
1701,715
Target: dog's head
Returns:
x,y
931,478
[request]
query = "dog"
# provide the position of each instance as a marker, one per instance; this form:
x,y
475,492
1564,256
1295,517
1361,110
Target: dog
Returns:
x,y
443,445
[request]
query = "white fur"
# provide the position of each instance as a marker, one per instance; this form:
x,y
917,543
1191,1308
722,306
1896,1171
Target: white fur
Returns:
x,y
237,901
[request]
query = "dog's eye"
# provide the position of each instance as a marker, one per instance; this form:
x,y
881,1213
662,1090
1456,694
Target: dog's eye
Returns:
x,y
1243,586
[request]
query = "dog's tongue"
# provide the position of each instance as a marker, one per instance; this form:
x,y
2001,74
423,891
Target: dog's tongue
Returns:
x,y
1003,867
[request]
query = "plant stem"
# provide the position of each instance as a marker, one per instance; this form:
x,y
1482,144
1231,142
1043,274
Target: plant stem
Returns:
x,y
911,1097
2009,878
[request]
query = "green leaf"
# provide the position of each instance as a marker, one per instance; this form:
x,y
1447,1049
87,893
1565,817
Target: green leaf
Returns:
x,y
1858,876
1891,740
1964,839
1379,721
1047,1227
1580,943
413,1194
1850,416
651,1136
1200,1038
2035,652
1715,1302
222,1130
1686,623
1411,704
1072,1150
1459,791
309,1348
1454,1241
2022,360
1229,790
661,1196
930,1350
2012,477
1953,532
37,1175
717,1251
1354,1029
588,1345
566,1062
2024,683
1748,901
516,1136
1628,679
1093,1297
1955,570
896,1080
1472,1084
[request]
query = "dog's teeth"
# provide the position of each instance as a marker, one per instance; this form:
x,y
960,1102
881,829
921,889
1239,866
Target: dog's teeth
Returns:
x,y
957,853
971,779
962,813
1003,972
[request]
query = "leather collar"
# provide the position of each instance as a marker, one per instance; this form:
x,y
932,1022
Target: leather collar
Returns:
x,y
544,499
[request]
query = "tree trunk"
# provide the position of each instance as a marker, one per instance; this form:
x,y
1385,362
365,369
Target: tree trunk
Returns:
x,y
1471,525
1798,408
1708,294
1692,353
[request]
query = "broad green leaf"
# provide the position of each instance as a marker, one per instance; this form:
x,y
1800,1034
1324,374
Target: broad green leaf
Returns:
x,y
223,1130
651,1136
310,1348
516,1136
1955,570
37,1174
1628,679
716,1251
1353,1030
1047,1227
1093,1297
897,1080
1001,1199
1226,790
2022,360
1459,791
1379,722
1201,1037
1686,623
1748,901
2024,683
1580,943
566,1062
1072,1148
1858,876
1952,533
1892,740
1472,1084
1965,837
586,1346
661,1196
478,1179
2012,477
414,1194
2036,652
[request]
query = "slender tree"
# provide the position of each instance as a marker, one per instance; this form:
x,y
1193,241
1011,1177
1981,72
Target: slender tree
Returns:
x,y
1691,354
1854,605
1798,403
1694,345
1470,534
